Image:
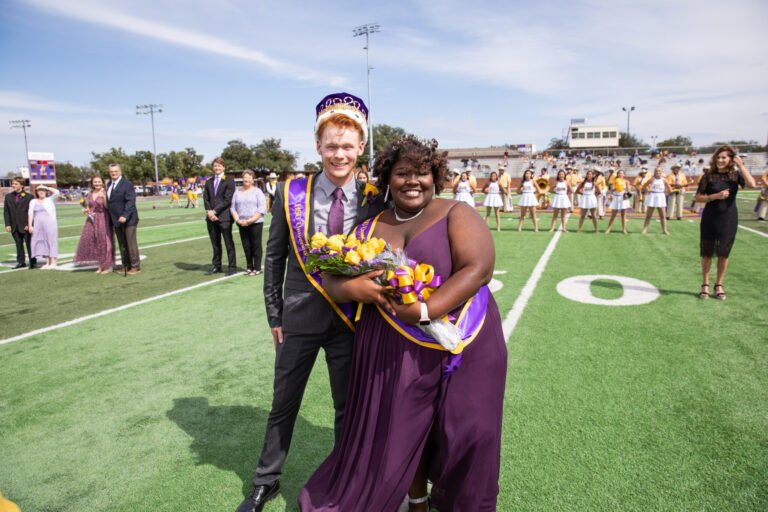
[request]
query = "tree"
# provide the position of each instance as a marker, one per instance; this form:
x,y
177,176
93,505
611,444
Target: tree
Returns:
x,y
183,164
630,141
237,155
68,174
269,155
557,143
311,167
383,134
142,167
100,161
679,141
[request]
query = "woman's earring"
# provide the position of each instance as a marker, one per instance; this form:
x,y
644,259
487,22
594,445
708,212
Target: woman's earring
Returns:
x,y
386,195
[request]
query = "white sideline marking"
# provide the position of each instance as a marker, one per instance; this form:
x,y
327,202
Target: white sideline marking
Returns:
x,y
142,230
112,310
64,256
753,231
510,322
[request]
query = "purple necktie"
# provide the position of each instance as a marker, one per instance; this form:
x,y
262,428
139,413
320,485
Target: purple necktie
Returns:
x,y
336,214
215,185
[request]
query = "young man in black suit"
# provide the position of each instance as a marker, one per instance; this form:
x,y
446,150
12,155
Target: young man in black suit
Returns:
x,y
217,198
301,316
121,198
15,214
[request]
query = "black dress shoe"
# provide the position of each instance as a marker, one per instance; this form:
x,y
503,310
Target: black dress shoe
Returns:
x,y
214,270
260,495
20,265
231,271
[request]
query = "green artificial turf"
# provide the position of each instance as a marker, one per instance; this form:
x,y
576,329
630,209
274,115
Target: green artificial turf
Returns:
x,y
163,406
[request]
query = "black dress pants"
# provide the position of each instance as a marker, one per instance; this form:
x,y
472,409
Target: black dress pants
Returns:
x,y
294,360
217,231
23,238
250,236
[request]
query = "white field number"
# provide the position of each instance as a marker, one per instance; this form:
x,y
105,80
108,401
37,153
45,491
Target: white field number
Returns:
x,y
635,291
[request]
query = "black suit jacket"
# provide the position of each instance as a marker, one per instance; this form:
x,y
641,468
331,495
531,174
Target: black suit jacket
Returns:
x,y
122,203
221,201
301,309
16,214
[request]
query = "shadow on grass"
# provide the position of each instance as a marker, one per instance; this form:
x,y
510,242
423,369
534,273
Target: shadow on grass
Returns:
x,y
197,267
615,286
229,437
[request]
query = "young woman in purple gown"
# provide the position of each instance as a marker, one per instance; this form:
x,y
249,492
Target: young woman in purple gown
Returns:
x,y
95,245
411,412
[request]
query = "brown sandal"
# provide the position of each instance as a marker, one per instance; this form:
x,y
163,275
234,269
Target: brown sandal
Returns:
x,y
721,294
704,293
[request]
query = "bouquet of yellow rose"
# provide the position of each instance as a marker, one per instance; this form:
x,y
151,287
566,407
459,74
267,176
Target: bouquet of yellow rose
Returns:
x,y
345,255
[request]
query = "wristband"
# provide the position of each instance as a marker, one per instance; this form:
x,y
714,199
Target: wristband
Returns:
x,y
424,320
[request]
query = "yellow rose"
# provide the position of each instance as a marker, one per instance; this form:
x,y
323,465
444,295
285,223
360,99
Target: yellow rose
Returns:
x,y
318,240
366,251
351,242
377,244
335,243
352,258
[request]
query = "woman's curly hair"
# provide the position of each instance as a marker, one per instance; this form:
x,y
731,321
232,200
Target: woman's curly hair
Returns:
x,y
420,152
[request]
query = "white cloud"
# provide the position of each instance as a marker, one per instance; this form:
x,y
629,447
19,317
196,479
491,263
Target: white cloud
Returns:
x,y
22,102
101,13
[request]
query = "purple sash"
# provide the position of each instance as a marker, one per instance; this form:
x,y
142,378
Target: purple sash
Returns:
x,y
297,210
469,322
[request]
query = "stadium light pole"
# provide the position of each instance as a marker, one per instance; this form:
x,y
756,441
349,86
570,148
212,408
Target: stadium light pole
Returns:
x,y
628,111
359,31
23,124
150,110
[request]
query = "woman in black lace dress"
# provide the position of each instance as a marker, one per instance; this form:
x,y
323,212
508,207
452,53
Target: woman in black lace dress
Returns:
x,y
720,218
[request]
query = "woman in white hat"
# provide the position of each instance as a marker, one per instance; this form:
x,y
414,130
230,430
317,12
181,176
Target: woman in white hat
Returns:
x,y
271,189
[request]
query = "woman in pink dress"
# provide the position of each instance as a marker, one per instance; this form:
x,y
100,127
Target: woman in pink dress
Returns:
x,y
95,245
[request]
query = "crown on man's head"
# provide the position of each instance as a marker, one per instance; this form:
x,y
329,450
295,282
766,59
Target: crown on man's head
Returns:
x,y
345,104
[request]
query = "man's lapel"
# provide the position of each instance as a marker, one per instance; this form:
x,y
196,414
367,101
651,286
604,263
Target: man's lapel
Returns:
x,y
311,226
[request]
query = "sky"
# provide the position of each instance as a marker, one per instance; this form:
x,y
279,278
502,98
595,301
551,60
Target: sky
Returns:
x,y
469,74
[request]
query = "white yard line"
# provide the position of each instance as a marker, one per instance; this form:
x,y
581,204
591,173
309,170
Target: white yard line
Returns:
x,y
510,322
161,244
753,231
141,230
112,310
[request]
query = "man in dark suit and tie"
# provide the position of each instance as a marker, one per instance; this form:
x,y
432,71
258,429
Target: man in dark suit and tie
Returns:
x,y
15,215
121,198
302,318
217,198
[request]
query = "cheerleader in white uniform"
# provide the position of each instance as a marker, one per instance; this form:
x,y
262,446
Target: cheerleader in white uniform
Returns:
x,y
493,200
463,190
588,199
528,202
618,203
561,203
656,197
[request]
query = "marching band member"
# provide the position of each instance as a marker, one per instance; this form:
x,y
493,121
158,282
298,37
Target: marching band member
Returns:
x,y
561,203
761,208
639,184
619,200
658,189
574,179
677,182
601,187
528,189
589,191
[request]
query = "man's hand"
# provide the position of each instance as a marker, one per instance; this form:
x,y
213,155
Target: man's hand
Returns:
x,y
277,336
7,229
121,220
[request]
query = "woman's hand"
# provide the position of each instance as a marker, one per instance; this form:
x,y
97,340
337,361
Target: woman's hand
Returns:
x,y
362,288
738,161
410,314
723,194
